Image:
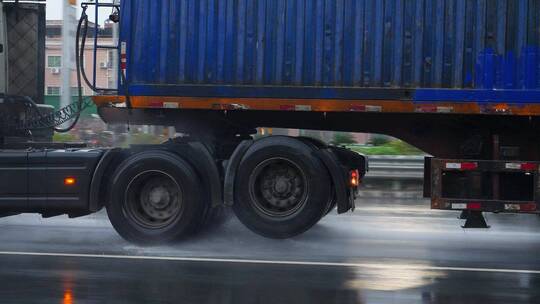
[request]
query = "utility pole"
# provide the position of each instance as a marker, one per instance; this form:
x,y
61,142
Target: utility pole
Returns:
x,y
3,51
68,50
114,64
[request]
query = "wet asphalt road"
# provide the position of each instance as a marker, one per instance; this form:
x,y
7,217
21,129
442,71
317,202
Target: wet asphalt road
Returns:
x,y
391,251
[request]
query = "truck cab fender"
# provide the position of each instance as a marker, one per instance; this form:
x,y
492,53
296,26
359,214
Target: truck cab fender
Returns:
x,y
104,165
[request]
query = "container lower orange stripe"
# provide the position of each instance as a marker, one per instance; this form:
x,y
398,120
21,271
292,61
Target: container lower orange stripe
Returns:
x,y
318,105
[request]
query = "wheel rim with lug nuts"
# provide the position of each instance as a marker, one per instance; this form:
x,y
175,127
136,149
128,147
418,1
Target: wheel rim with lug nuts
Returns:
x,y
278,187
153,199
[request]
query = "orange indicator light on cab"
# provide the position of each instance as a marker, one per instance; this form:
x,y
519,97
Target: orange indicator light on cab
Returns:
x,y
70,181
68,297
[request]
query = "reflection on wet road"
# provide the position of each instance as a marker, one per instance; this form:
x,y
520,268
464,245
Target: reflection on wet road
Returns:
x,y
386,252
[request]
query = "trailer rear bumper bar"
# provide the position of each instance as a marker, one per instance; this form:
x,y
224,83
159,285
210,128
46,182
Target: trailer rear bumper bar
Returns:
x,y
485,206
499,186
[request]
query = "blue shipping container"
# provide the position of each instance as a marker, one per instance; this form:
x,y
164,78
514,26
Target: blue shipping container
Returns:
x,y
334,48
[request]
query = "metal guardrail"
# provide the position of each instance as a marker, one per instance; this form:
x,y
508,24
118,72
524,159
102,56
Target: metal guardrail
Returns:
x,y
396,168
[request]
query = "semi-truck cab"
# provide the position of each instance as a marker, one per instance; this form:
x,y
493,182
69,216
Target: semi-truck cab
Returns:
x,y
204,70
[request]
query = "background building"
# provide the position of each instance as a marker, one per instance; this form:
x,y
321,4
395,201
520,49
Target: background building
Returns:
x,y
105,71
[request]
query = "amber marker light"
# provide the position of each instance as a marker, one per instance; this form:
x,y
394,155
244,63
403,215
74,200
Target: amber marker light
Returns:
x,y
70,181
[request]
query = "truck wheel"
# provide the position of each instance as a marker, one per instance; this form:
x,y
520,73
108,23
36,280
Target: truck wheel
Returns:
x,y
282,189
155,198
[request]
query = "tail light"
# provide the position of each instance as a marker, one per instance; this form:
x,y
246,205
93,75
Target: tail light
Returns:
x,y
354,178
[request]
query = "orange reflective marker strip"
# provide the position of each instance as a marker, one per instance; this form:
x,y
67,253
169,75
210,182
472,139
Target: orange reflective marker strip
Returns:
x,y
260,104
319,105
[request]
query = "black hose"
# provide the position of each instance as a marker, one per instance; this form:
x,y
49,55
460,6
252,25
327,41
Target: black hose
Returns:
x,y
80,65
79,53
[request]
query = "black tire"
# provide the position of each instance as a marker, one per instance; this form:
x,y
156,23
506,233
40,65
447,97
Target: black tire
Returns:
x,y
214,220
331,205
300,188
315,143
156,197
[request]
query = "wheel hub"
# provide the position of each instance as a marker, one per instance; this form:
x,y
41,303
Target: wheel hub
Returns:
x,y
154,199
278,187
282,186
159,197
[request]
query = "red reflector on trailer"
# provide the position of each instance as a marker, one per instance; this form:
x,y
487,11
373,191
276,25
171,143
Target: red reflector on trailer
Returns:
x,y
528,207
287,107
426,109
528,166
469,166
474,206
155,104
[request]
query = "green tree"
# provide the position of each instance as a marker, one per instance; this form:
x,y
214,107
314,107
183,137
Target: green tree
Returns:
x,y
404,148
65,137
379,140
342,138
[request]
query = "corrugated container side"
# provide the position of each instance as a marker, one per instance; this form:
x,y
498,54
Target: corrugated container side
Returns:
x,y
482,44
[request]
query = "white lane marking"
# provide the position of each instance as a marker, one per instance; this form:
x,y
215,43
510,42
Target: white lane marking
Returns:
x,y
270,262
